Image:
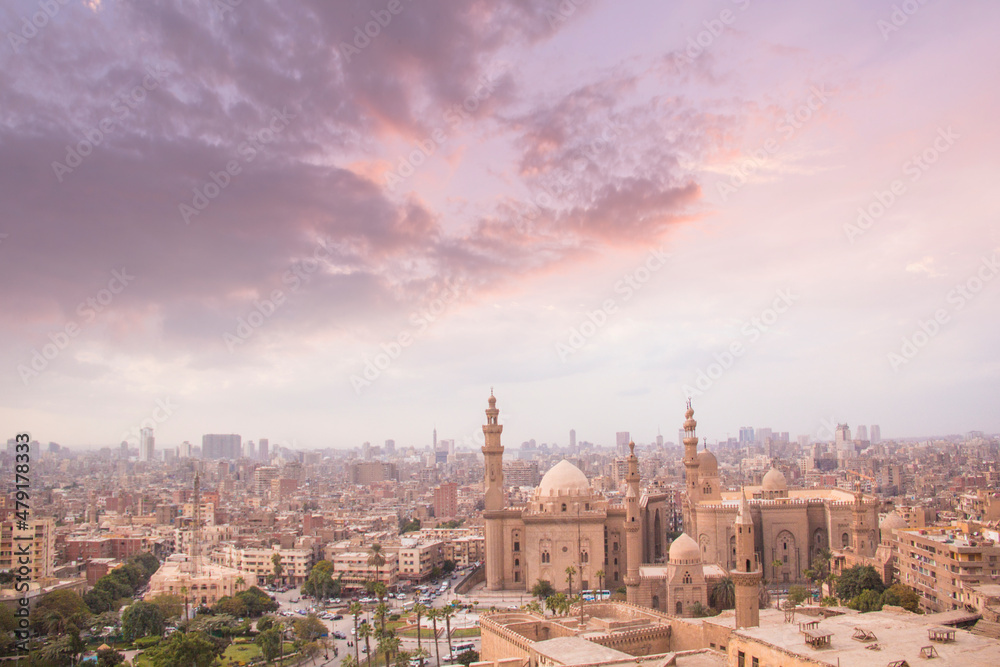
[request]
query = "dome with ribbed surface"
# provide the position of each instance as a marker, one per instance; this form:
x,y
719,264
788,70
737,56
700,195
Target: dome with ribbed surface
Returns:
x,y
684,549
708,465
892,521
564,479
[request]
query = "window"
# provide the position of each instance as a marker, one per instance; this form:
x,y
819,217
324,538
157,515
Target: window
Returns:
x,y
564,507
687,578
845,539
517,546
680,607
785,559
741,659
754,662
545,557
517,562
586,507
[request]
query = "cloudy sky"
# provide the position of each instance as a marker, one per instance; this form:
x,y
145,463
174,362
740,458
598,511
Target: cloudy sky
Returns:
x,y
331,222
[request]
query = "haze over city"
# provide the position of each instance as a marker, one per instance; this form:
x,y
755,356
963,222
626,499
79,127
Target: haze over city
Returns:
x,y
283,226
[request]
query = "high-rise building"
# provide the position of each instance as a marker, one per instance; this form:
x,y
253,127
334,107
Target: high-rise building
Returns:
x,y
862,433
186,450
123,451
446,500
251,450
746,435
876,434
221,446
146,444
659,439
262,445
764,435
572,440
622,439
843,435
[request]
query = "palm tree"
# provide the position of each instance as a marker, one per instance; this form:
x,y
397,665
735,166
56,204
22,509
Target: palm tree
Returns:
x,y
533,606
380,613
419,609
240,583
447,613
389,644
434,614
600,580
366,631
776,563
831,579
356,609
724,594
570,571
376,558
349,661
276,564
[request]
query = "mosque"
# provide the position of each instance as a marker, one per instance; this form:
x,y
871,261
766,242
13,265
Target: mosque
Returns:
x,y
767,531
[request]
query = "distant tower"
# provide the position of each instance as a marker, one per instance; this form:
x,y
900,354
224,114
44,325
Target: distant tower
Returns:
x,y
195,547
622,438
862,433
861,532
146,444
262,446
633,537
746,576
691,470
876,434
659,438
436,438
493,496
572,440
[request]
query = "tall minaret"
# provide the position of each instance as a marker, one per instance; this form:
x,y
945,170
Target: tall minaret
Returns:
x,y
195,552
633,534
493,497
860,533
746,576
691,471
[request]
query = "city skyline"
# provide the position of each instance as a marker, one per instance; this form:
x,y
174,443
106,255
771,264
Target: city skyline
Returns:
x,y
331,223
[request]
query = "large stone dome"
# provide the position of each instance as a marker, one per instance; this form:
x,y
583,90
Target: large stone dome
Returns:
x,y
684,549
564,479
708,465
774,481
892,521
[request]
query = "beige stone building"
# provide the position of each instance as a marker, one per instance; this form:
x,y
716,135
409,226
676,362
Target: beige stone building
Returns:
x,y
354,571
33,547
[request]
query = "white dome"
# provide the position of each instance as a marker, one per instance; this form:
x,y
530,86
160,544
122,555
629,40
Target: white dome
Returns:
x,y
708,465
892,521
564,479
774,481
684,549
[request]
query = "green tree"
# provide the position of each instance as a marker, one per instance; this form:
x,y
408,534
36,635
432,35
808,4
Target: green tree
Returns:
x,y
59,612
320,582
855,580
433,615
309,628
233,606
142,619
533,607
186,648
257,602
901,595
468,657
170,605
109,658
184,594
270,642
381,611
265,623
557,603
797,594
447,613
723,594
543,589
600,579
388,644
356,610
819,569
376,559
570,573
365,632
776,564
867,600
276,565
419,610
99,601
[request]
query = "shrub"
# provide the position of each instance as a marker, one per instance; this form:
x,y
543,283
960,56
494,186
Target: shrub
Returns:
x,y
147,642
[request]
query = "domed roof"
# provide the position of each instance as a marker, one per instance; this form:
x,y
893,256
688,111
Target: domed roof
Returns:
x,y
892,521
564,479
708,465
774,481
684,548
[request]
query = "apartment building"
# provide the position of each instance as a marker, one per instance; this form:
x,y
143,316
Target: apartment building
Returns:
x,y
418,559
258,563
33,545
940,563
354,570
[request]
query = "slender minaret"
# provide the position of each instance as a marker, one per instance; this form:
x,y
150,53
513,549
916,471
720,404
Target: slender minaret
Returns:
x,y
493,500
633,534
860,540
195,549
746,576
691,472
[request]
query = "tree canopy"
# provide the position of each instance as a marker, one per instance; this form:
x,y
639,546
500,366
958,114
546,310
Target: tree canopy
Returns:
x,y
855,580
59,612
142,619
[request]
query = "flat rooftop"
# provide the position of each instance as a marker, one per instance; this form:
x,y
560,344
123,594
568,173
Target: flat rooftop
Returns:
x,y
578,651
899,634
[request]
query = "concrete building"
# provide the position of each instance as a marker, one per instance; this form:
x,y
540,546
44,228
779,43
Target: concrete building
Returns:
x,y
355,571
257,564
417,559
446,500
221,446
34,542
939,563
146,444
